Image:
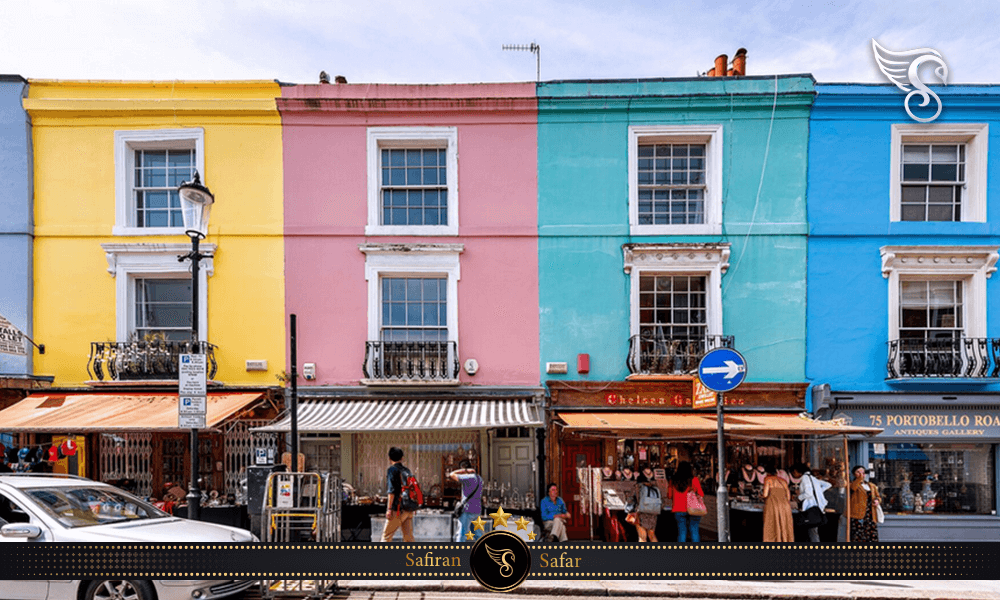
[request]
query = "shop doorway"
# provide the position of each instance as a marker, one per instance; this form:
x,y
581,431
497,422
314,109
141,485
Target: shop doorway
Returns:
x,y
576,455
514,459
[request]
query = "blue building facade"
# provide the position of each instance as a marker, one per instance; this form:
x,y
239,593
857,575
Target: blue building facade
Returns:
x,y
15,230
903,331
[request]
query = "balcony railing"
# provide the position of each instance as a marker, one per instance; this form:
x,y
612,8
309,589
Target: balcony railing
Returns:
x,y
958,358
411,361
658,355
144,360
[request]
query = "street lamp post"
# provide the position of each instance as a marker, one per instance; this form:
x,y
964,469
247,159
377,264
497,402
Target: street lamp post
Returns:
x,y
196,205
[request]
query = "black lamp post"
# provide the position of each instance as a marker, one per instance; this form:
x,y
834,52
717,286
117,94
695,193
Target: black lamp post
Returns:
x,y
196,205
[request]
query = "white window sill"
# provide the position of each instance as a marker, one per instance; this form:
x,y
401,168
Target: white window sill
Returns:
x,y
703,229
414,230
410,382
139,231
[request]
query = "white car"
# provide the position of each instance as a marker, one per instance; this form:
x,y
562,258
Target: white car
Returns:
x,y
53,508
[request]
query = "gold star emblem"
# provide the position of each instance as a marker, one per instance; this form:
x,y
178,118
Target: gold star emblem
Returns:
x,y
522,523
531,536
500,517
469,535
479,524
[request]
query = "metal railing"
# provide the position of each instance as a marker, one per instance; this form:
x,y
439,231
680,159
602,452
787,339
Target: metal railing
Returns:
x,y
659,355
957,358
410,361
144,360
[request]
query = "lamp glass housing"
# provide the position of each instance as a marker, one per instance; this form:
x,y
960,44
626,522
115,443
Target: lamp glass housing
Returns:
x,y
196,205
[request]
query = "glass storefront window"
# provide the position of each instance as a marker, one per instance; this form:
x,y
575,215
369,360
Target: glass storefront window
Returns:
x,y
936,478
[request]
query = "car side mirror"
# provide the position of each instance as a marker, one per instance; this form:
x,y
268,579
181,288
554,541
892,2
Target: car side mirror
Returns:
x,y
20,530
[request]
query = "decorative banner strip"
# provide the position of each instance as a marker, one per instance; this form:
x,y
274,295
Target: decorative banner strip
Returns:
x,y
976,560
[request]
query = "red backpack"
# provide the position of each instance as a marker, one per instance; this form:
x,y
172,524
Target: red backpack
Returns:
x,y
412,497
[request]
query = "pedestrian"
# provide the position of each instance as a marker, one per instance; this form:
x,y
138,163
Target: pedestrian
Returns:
x,y
395,516
472,497
682,482
865,499
554,515
649,505
811,493
778,525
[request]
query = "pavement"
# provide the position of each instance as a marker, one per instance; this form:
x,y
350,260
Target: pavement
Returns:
x,y
901,589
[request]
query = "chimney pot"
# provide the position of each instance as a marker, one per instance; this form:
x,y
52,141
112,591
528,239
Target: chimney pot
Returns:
x,y
340,79
711,72
740,62
720,65
324,77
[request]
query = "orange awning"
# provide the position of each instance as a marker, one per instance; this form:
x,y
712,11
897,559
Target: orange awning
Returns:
x,y
83,413
692,425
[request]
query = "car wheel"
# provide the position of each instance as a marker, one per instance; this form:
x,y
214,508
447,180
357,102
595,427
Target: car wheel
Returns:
x,y
119,589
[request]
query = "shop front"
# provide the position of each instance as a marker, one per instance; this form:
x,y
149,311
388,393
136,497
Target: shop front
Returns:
x,y
436,431
936,461
603,435
132,439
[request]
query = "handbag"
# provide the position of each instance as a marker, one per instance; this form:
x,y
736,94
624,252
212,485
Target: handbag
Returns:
x,y
460,506
879,515
813,516
696,504
649,500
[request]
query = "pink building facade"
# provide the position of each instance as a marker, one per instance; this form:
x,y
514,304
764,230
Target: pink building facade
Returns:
x,y
412,266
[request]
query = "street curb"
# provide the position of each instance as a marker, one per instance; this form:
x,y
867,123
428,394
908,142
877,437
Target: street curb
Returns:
x,y
645,589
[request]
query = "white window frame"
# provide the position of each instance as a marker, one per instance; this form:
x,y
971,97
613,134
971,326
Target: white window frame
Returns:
x,y
709,260
411,260
975,136
972,265
711,136
411,137
128,262
126,143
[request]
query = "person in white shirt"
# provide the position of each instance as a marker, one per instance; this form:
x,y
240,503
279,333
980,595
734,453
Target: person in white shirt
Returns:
x,y
810,494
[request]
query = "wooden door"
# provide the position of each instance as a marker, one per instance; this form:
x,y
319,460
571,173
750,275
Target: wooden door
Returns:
x,y
575,455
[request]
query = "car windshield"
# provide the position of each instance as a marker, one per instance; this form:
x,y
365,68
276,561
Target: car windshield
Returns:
x,y
87,506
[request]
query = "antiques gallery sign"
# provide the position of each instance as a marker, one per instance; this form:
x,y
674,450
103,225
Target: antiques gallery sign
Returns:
x,y
671,394
964,424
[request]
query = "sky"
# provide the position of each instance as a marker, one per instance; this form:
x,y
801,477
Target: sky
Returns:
x,y
443,41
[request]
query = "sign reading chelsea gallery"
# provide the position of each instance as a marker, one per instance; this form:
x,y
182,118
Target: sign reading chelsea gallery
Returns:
x,y
963,424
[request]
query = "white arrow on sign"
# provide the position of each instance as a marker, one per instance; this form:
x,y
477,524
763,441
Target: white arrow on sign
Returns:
x,y
731,369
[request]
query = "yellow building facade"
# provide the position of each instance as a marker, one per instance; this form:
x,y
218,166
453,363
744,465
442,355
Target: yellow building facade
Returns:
x,y
108,229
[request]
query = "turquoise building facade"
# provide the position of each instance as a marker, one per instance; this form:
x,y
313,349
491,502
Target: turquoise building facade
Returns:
x,y
671,221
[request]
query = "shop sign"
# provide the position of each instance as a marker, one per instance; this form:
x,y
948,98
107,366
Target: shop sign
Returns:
x,y
964,424
674,394
640,400
11,340
702,397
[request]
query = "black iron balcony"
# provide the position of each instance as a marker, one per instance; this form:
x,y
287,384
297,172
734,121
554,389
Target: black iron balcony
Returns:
x,y
659,355
392,362
957,358
144,360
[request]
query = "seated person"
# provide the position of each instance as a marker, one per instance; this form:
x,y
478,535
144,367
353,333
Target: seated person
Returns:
x,y
554,515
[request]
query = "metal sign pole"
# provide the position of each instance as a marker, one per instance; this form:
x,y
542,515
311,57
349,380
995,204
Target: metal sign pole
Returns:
x,y
721,492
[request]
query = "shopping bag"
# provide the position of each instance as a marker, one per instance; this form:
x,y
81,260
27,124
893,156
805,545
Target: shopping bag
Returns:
x,y
696,504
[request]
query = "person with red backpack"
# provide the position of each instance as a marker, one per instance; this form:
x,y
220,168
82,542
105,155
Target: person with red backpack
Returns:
x,y
402,489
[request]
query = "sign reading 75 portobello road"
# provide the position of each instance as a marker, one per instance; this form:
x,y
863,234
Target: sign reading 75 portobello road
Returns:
x,y
722,370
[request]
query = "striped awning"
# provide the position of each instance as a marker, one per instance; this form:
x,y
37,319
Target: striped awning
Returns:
x,y
346,416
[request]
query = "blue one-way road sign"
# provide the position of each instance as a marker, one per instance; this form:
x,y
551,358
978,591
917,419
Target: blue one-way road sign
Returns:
x,y
722,370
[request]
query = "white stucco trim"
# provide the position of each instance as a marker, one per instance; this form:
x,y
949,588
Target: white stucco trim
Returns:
x,y
711,260
975,136
973,265
126,262
411,137
383,260
126,143
711,136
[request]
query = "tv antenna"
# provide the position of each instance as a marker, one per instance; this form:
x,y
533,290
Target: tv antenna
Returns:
x,y
534,49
